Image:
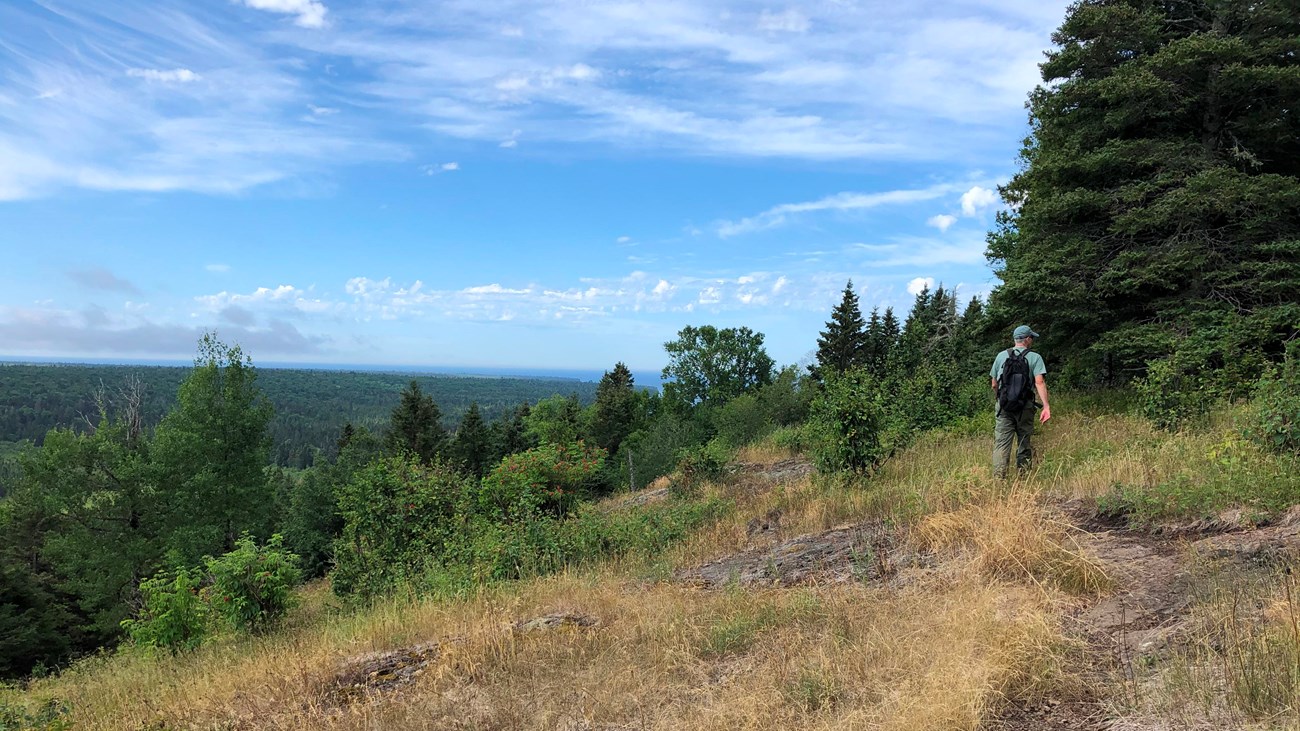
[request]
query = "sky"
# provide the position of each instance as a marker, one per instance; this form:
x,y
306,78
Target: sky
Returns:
x,y
494,183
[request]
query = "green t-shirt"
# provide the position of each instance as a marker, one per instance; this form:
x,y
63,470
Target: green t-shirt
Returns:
x,y
1036,364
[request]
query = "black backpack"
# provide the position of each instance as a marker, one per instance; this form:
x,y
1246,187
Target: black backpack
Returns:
x,y
1015,383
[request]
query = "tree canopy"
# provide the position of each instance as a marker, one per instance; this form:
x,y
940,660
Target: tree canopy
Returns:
x,y
1158,206
712,366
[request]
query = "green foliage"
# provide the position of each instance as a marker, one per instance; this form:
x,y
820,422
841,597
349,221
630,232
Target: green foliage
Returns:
x,y
415,426
398,514
548,479
472,447
798,439
844,344
616,409
1171,396
846,423
752,416
556,420
252,586
32,623
311,406
654,448
1159,195
173,616
52,715
210,455
711,366
1230,474
702,463
1275,408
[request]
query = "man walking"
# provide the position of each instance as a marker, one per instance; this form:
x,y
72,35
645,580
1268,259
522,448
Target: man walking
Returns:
x,y
1017,374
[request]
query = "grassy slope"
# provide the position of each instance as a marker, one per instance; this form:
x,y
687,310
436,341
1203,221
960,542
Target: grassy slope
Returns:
x,y
944,651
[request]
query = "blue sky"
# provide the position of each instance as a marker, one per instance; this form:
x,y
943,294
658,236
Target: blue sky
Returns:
x,y
495,182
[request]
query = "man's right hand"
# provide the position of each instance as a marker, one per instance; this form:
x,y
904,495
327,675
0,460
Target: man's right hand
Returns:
x,y
1046,414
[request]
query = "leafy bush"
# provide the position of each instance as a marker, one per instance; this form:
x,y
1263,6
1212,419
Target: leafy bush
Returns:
x,y
705,463
742,420
548,479
1275,408
173,615
252,586
1172,394
797,439
846,422
397,514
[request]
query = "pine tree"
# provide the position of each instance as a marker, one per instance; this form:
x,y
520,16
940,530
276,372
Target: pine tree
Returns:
x,y
416,426
843,344
1158,204
472,446
615,408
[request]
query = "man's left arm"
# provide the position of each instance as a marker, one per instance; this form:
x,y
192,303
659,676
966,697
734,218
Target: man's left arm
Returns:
x,y
1040,383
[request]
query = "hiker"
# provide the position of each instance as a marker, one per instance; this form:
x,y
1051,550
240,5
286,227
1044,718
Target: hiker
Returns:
x,y
1016,374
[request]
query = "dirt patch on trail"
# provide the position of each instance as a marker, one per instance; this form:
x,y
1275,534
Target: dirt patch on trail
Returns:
x,y
863,552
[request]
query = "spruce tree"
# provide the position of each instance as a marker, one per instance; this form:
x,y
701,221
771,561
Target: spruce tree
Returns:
x,y
416,425
843,344
1158,204
472,446
615,408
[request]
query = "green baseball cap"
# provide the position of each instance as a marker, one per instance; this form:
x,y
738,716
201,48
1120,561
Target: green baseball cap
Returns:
x,y
1024,331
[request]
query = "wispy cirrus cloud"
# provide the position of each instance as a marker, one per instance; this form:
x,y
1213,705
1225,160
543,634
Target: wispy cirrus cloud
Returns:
x,y
841,202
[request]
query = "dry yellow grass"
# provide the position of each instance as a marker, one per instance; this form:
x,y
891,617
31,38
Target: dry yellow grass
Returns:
x,y
664,657
941,654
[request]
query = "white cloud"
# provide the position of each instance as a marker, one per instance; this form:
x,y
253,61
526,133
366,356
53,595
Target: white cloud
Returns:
x,y
790,21
217,268
662,289
942,221
322,111
780,284
494,289
445,167
178,76
977,199
779,215
623,239
710,296
915,286
512,31
310,13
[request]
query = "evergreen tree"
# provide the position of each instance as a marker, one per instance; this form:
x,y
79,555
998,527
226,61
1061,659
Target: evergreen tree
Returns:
x,y
614,412
472,446
1158,204
510,434
415,426
890,332
843,344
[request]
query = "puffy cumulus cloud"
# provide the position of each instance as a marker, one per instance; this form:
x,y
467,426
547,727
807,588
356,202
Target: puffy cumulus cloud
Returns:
x,y
307,13
779,284
710,296
174,76
285,297
943,221
916,286
977,199
101,279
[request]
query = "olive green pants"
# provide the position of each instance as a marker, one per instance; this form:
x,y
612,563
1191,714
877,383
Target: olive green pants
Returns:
x,y
1013,426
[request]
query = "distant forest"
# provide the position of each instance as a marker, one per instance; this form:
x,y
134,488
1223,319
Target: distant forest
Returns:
x,y
311,406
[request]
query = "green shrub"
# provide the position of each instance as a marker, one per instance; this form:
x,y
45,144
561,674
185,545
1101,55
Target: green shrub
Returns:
x,y
1275,408
548,479
173,615
252,586
53,715
397,515
742,420
797,438
705,463
1172,394
846,422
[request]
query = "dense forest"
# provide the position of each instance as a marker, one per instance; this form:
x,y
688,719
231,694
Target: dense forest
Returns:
x,y
311,406
1153,238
